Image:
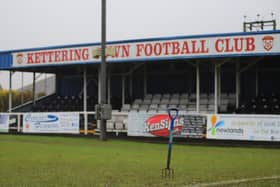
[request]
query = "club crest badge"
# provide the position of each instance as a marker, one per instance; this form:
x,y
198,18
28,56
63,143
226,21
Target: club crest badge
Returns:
x,y
20,58
267,42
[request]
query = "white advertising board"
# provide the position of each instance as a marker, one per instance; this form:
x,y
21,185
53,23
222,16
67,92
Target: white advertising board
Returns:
x,y
244,127
153,125
4,122
62,122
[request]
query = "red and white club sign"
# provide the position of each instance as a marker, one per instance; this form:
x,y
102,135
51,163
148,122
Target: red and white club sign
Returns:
x,y
156,49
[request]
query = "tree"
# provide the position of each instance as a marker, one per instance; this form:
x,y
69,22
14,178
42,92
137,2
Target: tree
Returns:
x,y
16,96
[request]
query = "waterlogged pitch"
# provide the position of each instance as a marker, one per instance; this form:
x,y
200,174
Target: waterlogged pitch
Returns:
x,y
75,161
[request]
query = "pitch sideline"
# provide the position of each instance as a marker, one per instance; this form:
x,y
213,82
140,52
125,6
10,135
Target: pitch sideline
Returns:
x,y
233,181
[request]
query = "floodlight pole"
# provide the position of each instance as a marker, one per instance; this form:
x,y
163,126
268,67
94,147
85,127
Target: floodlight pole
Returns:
x,y
103,68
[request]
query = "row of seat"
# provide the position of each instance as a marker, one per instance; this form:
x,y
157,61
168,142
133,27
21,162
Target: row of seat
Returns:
x,y
260,105
206,108
186,102
117,122
259,109
186,95
65,103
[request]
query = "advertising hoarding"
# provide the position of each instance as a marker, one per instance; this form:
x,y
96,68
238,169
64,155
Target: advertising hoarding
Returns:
x,y
62,122
4,122
244,127
153,125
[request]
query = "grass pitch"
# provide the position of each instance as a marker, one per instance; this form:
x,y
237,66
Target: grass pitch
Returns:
x,y
73,161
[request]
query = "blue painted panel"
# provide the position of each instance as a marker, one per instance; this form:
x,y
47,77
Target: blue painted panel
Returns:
x,y
5,61
68,86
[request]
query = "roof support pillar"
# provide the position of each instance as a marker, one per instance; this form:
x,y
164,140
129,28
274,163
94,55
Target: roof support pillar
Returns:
x,y
21,93
131,86
10,91
85,101
219,86
237,82
216,88
34,89
123,89
109,88
197,87
145,80
99,85
257,82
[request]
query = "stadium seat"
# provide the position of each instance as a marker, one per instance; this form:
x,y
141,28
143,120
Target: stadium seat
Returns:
x,y
119,125
166,96
273,100
111,123
203,111
172,106
222,109
265,109
174,101
148,96
137,101
192,96
125,124
164,101
157,96
203,107
184,96
211,101
155,101
203,101
162,107
125,108
153,107
275,109
144,107
254,109
119,122
210,107
183,101
147,101
191,107
182,107
203,96
135,107
175,95
224,101
242,109
223,95
231,95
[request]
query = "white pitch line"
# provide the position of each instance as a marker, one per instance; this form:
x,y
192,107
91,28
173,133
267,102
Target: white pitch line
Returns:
x,y
233,181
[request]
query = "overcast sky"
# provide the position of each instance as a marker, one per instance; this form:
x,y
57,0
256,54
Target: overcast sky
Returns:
x,y
40,23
